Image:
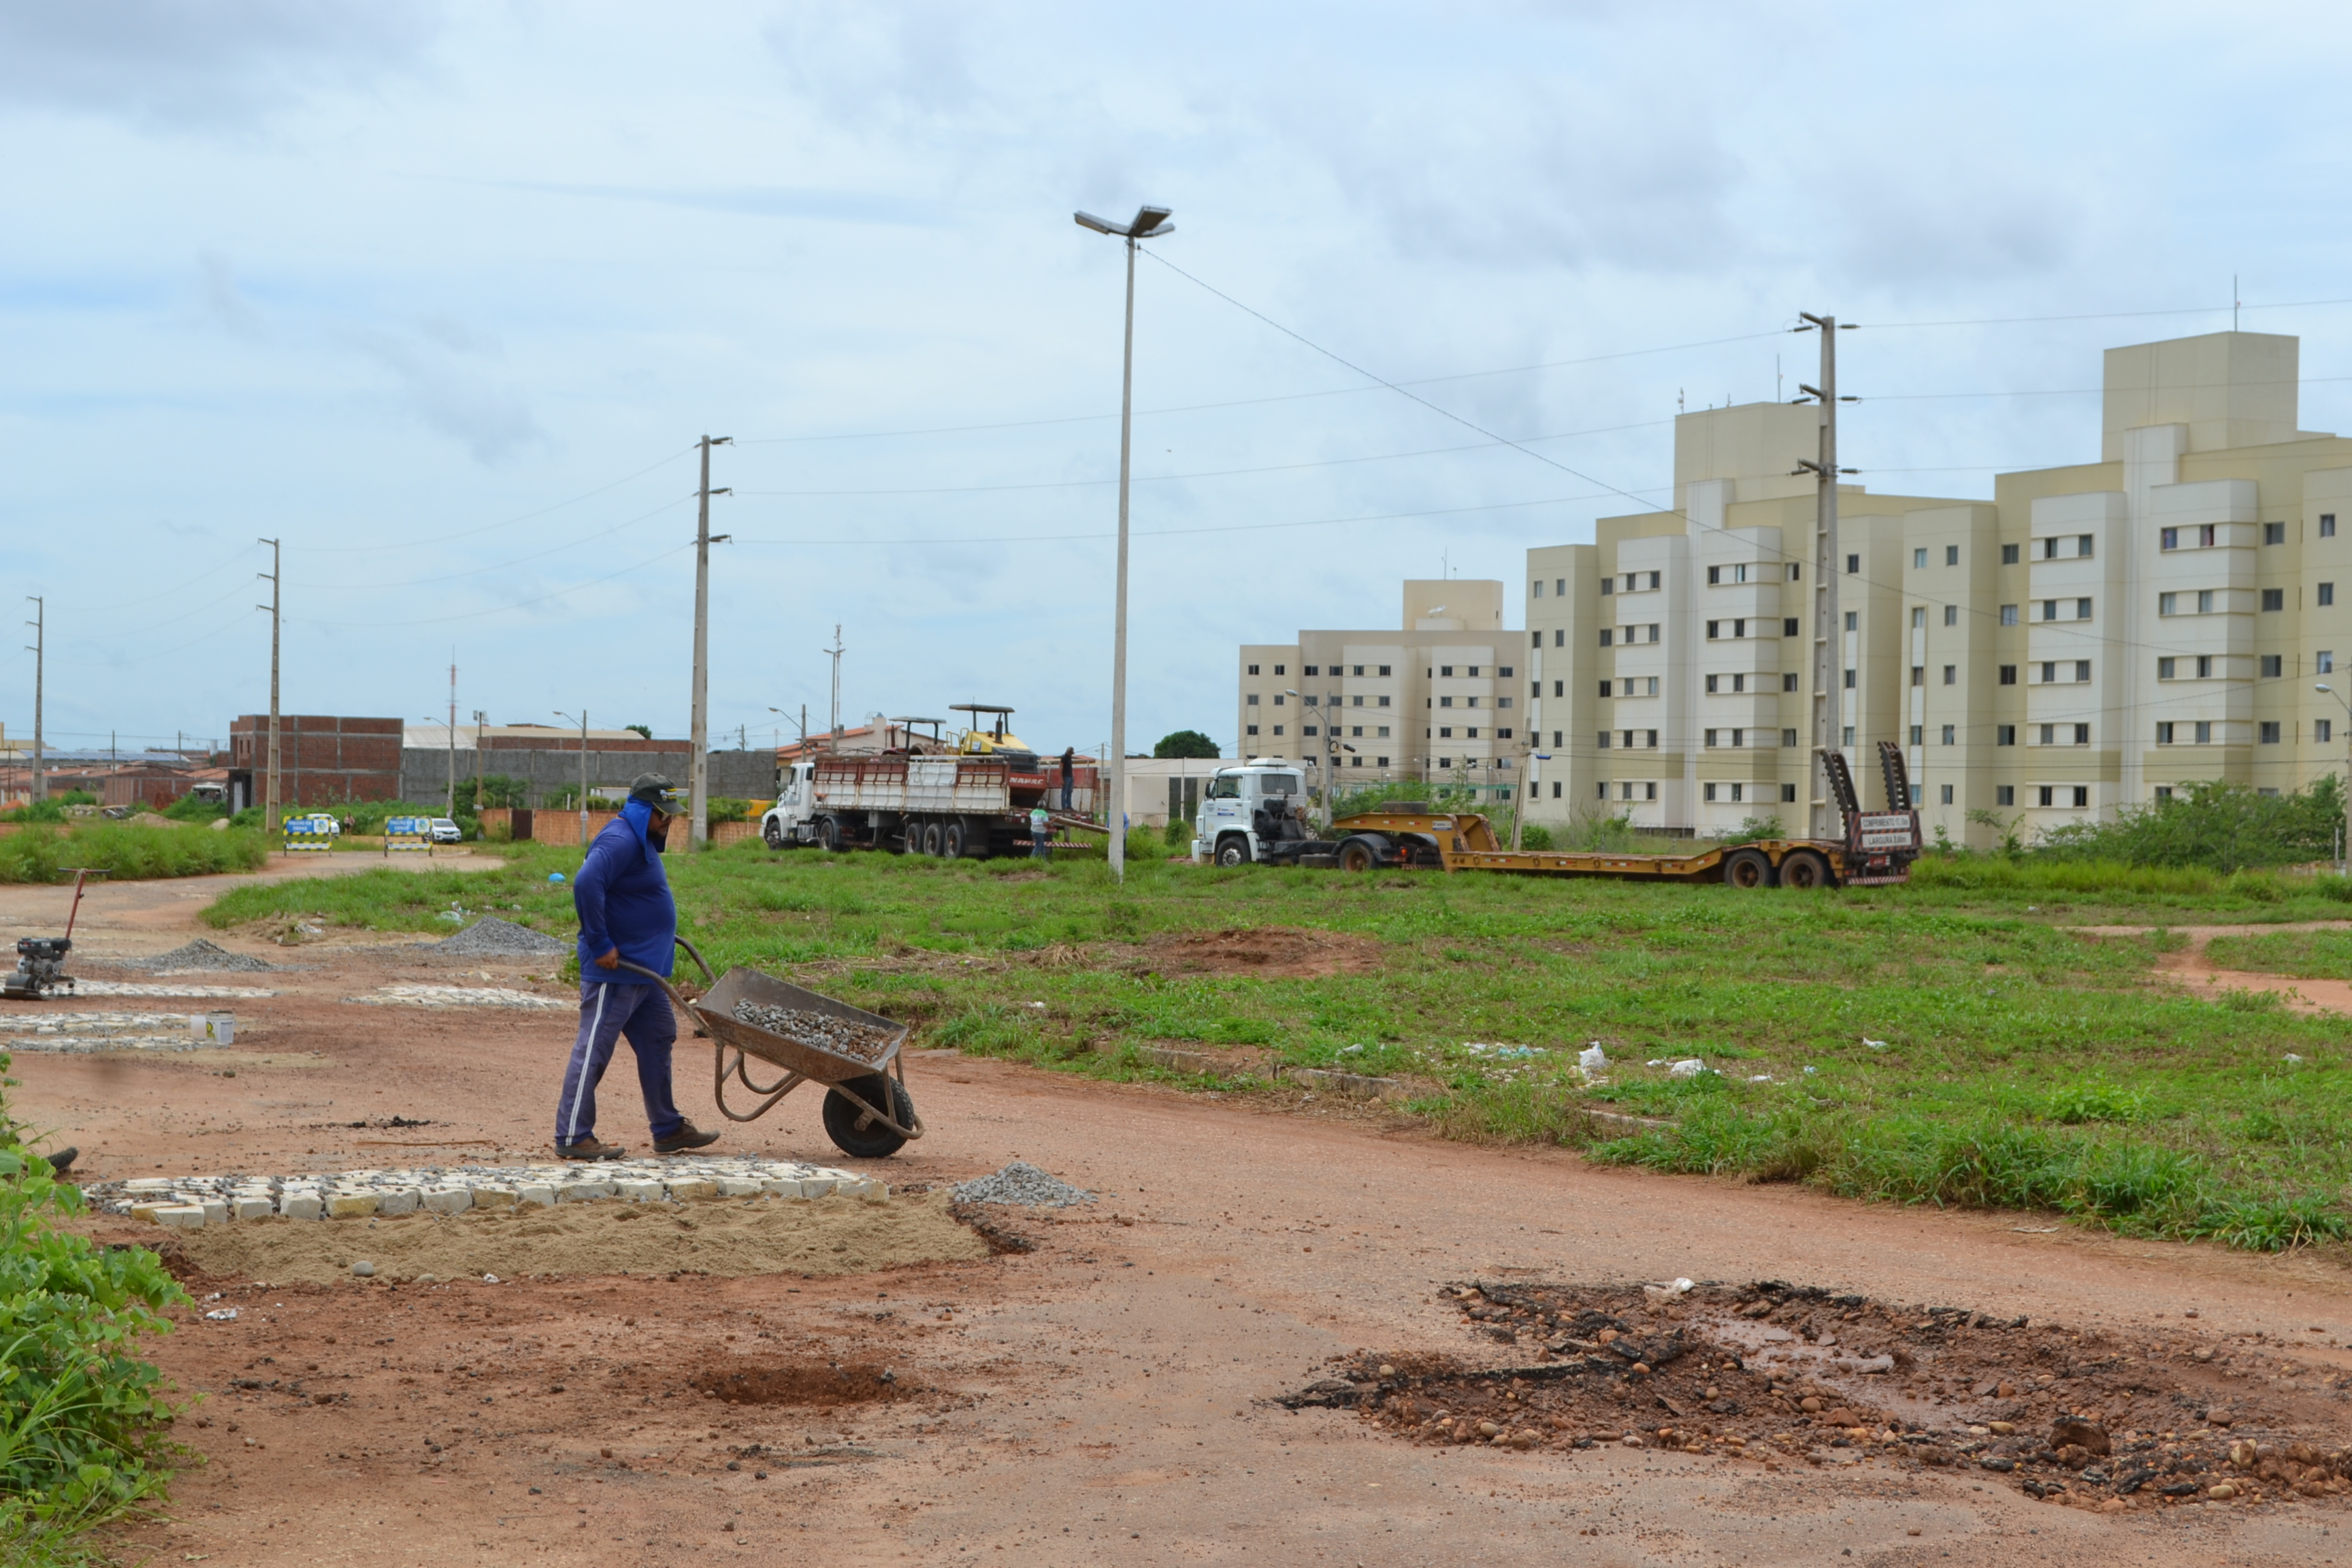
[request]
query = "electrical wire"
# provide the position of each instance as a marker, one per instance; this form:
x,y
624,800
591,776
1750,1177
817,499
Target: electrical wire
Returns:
x,y
496,609
410,543
572,544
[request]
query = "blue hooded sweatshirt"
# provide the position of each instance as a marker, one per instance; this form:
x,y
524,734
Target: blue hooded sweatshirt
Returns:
x,y
622,900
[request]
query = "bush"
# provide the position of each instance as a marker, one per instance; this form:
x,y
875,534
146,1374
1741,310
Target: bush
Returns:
x,y
1535,835
195,809
128,850
2217,826
81,1417
727,808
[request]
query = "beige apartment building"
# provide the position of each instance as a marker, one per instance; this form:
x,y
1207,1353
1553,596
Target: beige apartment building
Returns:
x,y
2096,634
1442,697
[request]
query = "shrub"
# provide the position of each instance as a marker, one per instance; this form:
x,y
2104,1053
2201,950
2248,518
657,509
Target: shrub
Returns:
x,y
2223,826
126,850
1535,835
81,1417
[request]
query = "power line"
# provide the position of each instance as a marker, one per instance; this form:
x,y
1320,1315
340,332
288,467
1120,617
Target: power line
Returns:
x,y
501,609
501,565
410,543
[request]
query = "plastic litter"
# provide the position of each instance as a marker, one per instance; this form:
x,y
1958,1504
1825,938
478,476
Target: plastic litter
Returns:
x,y
1670,1290
1592,1059
221,1315
489,1278
555,875
1874,1045
1501,1052
1811,1071
1690,1066
1759,1078
2290,1057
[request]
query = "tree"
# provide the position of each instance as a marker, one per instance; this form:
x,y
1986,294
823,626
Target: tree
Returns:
x,y
1185,743
644,729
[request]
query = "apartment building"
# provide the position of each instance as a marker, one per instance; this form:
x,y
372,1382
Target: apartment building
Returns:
x,y
1439,698
2097,634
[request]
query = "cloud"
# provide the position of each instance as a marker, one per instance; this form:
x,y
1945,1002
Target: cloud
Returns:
x,y
227,305
215,64
447,390
1944,213
752,201
872,67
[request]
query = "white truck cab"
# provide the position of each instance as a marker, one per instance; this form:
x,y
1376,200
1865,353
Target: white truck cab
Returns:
x,y
1226,831
789,821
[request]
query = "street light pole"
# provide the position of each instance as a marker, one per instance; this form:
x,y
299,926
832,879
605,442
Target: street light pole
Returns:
x,y
1149,223
2346,856
583,773
698,760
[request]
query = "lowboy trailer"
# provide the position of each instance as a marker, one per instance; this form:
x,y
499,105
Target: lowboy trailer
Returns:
x,y
1878,847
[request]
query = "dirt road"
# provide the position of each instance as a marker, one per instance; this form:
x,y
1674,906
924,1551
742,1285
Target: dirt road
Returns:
x,y
1104,1397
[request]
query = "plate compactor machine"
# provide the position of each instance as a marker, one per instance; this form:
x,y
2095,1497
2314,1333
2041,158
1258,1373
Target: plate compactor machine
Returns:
x,y
41,960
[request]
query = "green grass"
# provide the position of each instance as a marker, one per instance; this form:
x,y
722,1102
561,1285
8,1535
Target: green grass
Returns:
x,y
126,850
2016,1064
2305,955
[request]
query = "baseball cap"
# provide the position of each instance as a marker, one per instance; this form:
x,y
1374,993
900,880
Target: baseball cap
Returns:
x,y
657,791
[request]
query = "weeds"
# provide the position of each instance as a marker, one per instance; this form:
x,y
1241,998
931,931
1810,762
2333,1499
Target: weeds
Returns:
x,y
126,850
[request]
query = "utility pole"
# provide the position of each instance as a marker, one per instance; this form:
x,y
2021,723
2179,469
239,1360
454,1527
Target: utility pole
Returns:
x,y
269,792
835,651
39,622
583,773
1829,631
450,810
698,794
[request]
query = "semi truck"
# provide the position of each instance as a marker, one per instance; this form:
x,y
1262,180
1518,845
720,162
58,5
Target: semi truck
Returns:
x,y
1255,814
969,797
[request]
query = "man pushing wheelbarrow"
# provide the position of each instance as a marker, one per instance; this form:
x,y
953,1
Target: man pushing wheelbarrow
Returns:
x,y
628,921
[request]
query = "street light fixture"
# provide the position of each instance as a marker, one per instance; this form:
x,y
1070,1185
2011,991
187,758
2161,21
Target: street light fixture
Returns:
x,y
1149,223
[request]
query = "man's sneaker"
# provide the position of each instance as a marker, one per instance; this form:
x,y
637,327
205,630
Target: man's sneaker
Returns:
x,y
685,1138
589,1148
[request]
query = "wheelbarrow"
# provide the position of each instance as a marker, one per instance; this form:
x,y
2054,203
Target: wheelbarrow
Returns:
x,y
867,1113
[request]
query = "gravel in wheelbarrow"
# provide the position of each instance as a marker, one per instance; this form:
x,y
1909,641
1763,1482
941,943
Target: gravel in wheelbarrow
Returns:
x,y
842,1036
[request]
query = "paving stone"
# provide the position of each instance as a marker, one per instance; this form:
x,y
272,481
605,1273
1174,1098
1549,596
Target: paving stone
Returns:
x,y
399,1201
449,1200
738,1187
351,1206
638,1192
302,1206
494,1197
583,1192
252,1208
179,1216
686,1191
538,1193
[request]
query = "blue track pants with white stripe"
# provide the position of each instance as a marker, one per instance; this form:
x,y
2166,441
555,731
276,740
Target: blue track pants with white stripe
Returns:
x,y
607,1013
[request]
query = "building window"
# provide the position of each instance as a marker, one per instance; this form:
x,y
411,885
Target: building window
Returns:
x,y
1918,559
1710,737
1502,672
1603,789
1787,794
2270,732
1789,625
1849,680
2165,667
2049,671
1848,738
2205,601
1503,734
1382,732
1853,566
1951,555
1605,740
1356,732
2168,539
2082,546
2323,730
2166,605
1251,699
1445,669
1711,686
1252,669
1951,732
1951,614
1604,689
2008,558
2005,795
1471,733
1795,572
2323,661
2004,735
2082,609
1538,588
1919,734
1277,729
1737,793
1710,792
2273,533
2081,670
1446,732
1310,729
1474,672
2009,675
2326,525
1713,629
2049,734
2164,734
2204,732
1311,669
1918,675
1607,636
2273,666
2046,794
2082,794
1788,737
1279,668
1854,620
1919,617
1277,698
1446,702
1384,701
1253,728
1788,683
2327,594
2081,734
2009,615
2050,548
2048,609
1951,675
2274,599
2204,667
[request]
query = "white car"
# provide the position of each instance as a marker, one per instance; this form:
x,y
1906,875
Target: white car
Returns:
x,y
446,832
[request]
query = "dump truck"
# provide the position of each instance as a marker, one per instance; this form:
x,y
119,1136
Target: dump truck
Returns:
x,y
964,797
1255,814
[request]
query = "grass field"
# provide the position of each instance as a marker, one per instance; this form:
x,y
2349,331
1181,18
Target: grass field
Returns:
x,y
1950,1041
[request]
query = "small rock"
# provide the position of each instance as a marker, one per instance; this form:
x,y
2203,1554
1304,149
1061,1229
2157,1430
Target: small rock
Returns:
x,y
2002,1428
2219,1418
2007,1390
2221,1492
1387,1371
2088,1435
1810,1403
427,1279
363,1269
1488,1429
1631,1441
1842,1416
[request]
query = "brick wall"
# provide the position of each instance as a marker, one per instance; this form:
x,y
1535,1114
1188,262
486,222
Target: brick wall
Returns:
x,y
322,758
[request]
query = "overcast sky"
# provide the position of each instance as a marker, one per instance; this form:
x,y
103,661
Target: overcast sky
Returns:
x,y
443,295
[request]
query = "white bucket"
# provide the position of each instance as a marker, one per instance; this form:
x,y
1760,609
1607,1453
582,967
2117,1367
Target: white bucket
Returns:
x,y
213,1028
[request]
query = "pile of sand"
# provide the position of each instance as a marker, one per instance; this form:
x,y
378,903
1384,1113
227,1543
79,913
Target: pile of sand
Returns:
x,y
755,1236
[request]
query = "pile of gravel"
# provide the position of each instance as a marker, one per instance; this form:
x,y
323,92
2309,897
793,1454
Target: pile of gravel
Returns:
x,y
491,937
1022,1183
198,954
858,1042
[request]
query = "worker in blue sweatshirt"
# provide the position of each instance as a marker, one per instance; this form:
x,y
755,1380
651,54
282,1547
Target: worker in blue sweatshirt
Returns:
x,y
625,914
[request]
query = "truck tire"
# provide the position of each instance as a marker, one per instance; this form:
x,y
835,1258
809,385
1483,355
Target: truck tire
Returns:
x,y
1747,868
931,838
774,834
828,835
952,838
1232,850
1362,853
874,1142
1804,868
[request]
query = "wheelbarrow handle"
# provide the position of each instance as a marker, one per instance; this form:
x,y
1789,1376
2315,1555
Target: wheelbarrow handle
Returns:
x,y
663,981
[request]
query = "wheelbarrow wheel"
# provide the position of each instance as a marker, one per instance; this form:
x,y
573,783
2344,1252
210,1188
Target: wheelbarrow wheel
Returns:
x,y
874,1141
